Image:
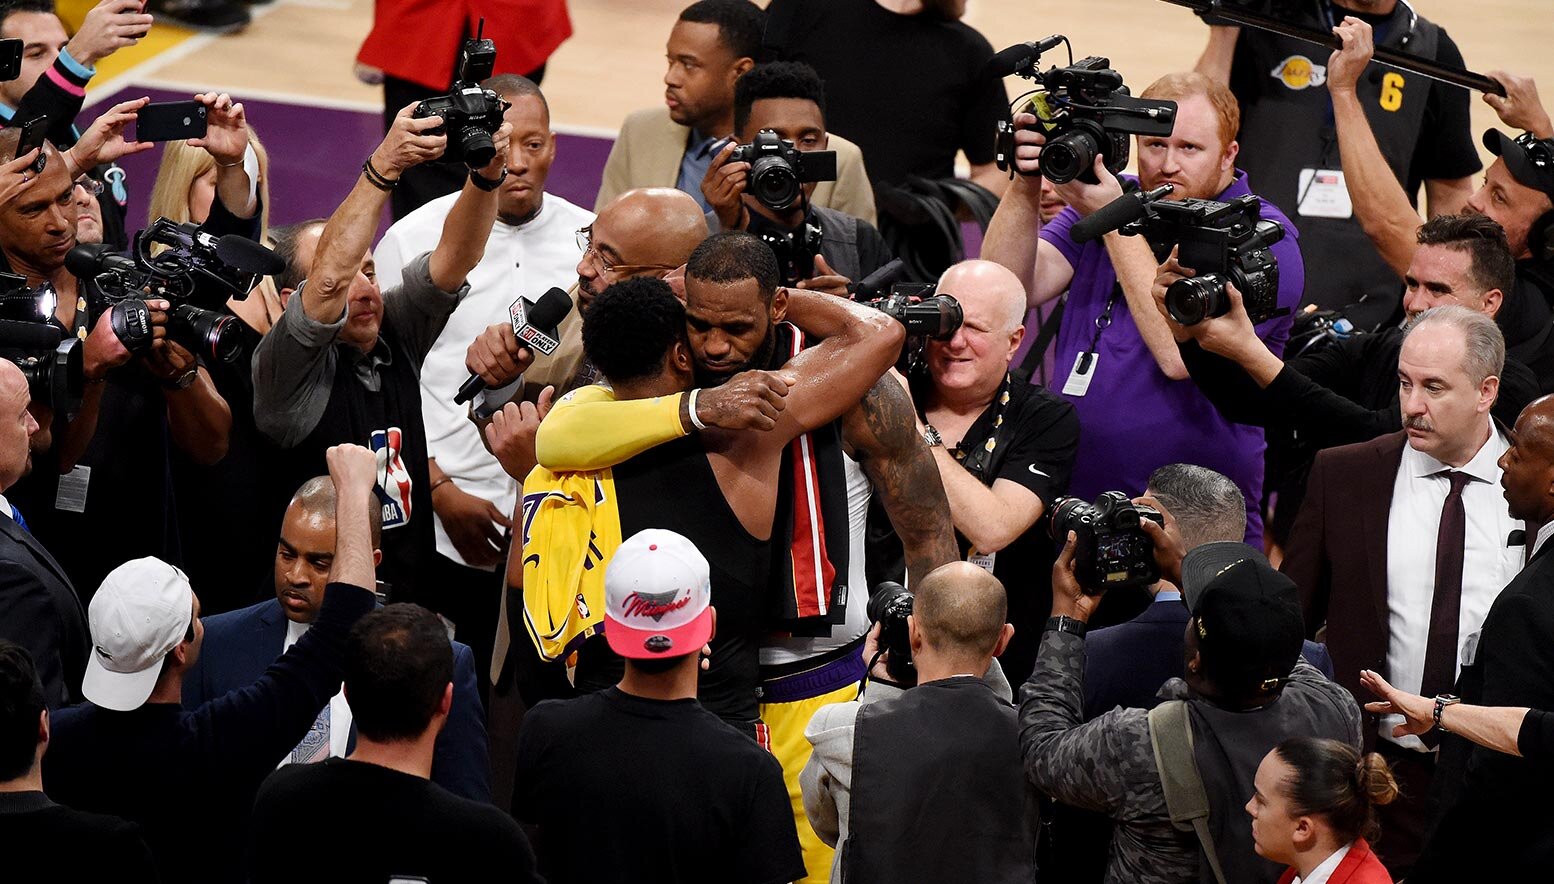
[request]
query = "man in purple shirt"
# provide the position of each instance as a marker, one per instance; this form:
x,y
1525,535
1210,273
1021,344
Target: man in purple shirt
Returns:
x,y
1138,409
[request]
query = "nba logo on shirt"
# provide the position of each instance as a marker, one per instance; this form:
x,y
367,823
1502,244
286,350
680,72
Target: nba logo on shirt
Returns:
x,y
393,479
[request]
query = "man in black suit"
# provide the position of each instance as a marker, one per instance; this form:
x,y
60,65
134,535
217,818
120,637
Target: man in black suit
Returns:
x,y
1497,802
1404,542
39,609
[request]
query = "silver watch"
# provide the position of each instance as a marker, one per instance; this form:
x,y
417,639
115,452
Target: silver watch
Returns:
x,y
932,437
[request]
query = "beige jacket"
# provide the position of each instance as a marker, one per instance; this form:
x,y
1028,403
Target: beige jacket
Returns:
x,y
648,151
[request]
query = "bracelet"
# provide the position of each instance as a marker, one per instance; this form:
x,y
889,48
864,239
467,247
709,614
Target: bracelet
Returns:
x,y
375,178
229,165
691,406
439,483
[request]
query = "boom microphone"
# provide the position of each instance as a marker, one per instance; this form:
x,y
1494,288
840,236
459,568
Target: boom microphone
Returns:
x,y
242,253
1124,209
535,329
872,285
1021,56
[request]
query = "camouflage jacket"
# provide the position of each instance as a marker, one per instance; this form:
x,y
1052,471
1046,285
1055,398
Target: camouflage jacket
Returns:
x,y
1108,765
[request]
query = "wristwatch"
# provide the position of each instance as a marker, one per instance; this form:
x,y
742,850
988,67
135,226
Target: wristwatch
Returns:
x,y
487,184
1064,623
1441,702
932,437
183,381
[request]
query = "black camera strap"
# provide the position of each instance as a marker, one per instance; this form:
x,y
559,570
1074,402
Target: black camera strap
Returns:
x,y
978,461
1102,323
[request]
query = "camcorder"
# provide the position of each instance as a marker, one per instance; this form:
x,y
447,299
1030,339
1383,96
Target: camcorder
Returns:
x,y
192,266
470,113
1084,110
48,356
779,171
889,605
1222,243
922,313
1111,550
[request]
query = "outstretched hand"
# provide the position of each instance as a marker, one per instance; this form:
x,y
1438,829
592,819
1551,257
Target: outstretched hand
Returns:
x,y
104,142
1418,712
408,143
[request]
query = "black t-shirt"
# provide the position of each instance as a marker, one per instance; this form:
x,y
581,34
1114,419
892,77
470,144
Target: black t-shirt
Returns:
x,y
627,789
911,95
50,842
1034,447
378,824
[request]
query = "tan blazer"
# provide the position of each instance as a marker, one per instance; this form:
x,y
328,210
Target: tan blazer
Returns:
x,y
648,151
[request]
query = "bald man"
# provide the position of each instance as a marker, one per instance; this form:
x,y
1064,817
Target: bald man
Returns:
x,y
1004,448
875,780
39,609
1488,795
240,645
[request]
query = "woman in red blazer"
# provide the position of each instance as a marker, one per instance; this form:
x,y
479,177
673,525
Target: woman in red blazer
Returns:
x,y
1313,808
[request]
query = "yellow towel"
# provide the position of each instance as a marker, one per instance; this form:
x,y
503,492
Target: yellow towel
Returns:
x,y
571,528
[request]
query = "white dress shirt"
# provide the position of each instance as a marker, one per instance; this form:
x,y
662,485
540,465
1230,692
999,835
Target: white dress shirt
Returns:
x,y
522,260
1321,873
1544,534
1418,494
339,710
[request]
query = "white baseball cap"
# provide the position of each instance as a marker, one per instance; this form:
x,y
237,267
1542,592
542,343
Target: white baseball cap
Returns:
x,y
143,610
658,597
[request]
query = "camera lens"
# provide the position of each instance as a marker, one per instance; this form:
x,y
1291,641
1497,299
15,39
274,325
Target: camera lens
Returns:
x,y
1067,156
774,183
1191,301
1070,514
216,335
478,149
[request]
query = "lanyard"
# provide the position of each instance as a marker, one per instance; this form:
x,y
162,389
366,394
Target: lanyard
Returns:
x,y
977,460
1102,323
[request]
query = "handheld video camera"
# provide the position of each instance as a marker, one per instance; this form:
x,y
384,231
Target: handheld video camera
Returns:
x,y
1084,110
922,313
1222,243
49,358
470,113
1111,550
779,171
889,605
193,265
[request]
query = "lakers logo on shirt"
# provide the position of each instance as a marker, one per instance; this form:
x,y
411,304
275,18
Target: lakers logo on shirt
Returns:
x,y
1297,72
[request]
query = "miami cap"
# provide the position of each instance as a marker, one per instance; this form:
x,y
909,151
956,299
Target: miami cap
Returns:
x,y
143,610
658,597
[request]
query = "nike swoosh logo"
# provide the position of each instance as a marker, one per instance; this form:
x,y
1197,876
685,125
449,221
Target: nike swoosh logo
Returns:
x,y
1038,472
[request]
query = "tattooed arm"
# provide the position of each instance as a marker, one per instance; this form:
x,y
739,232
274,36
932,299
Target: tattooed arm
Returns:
x,y
882,434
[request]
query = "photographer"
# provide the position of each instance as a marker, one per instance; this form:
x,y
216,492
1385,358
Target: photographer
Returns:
x,y
896,799
112,457
1291,149
1123,372
343,363
1003,447
1518,193
1346,391
789,99
1245,690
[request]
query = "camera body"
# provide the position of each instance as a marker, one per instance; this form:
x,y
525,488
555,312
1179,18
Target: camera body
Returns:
x,y
1221,242
925,316
1111,549
779,171
889,605
49,358
795,249
470,113
189,261
1085,111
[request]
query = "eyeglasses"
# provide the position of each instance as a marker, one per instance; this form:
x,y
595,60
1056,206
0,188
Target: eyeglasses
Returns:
x,y
585,242
90,185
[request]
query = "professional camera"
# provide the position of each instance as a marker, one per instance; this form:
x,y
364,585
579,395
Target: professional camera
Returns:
x,y
779,171
470,113
49,358
1111,549
1084,110
889,605
795,249
1222,243
191,265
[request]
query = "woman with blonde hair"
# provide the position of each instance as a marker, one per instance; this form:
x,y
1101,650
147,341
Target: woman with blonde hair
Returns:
x,y
1313,809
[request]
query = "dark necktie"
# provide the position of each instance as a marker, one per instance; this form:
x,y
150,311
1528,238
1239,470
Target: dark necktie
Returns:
x,y
1440,666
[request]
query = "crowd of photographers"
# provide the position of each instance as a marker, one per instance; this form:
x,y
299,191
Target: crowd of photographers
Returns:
x,y
687,539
